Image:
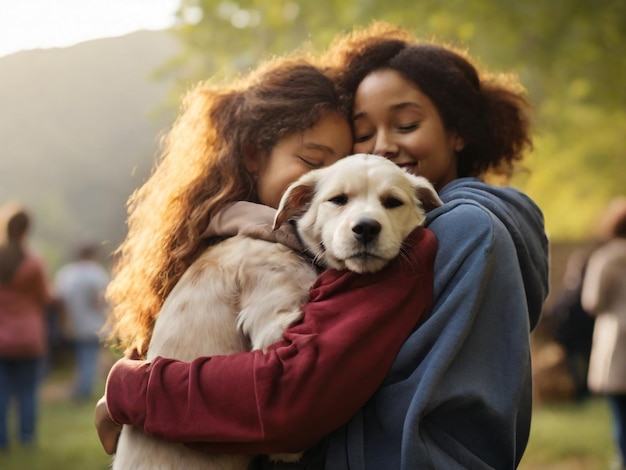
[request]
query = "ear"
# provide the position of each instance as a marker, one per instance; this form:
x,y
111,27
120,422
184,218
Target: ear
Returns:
x,y
253,160
296,199
426,193
459,143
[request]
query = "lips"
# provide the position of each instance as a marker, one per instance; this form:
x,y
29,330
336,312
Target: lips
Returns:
x,y
364,256
364,262
408,166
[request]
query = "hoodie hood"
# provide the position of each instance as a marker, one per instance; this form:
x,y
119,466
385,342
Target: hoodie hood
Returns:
x,y
524,221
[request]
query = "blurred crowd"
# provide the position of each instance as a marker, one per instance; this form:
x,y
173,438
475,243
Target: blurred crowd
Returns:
x,y
582,350
39,315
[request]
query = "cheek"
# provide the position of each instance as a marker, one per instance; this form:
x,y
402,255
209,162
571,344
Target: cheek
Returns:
x,y
280,184
420,147
362,147
311,227
338,224
344,143
406,220
328,221
262,190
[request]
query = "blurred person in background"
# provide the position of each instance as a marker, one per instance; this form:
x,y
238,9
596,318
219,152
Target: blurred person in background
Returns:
x,y
572,324
604,297
81,285
24,297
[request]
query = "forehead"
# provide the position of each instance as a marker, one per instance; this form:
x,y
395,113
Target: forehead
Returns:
x,y
332,132
386,89
357,177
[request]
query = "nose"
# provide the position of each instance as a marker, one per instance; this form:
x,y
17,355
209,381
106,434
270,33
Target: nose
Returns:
x,y
385,146
366,229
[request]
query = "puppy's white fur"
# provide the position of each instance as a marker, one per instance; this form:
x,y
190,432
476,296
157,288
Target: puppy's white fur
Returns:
x,y
243,293
355,214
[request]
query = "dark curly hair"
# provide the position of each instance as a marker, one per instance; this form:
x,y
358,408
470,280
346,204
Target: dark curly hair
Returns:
x,y
200,171
489,112
14,223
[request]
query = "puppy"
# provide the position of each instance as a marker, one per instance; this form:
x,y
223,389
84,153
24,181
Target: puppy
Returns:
x,y
355,214
244,292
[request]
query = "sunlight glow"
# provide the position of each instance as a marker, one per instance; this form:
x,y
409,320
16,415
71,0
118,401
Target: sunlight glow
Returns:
x,y
34,24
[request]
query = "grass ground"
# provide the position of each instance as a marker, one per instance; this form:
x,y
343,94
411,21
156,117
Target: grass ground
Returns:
x,y
66,436
563,437
571,436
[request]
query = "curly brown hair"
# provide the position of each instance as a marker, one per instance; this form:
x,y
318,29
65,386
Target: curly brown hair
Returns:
x,y
202,169
489,112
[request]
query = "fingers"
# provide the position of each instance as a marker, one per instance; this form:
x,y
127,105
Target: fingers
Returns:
x,y
108,430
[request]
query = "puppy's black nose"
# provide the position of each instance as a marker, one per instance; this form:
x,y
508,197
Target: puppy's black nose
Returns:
x,y
366,230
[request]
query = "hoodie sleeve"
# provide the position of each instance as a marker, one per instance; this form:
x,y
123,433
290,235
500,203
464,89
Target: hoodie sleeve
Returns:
x,y
303,387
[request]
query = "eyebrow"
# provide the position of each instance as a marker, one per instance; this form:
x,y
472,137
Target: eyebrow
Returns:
x,y
393,107
315,146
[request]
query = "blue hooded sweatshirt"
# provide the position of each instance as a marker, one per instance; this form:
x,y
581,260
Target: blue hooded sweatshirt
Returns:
x,y
459,395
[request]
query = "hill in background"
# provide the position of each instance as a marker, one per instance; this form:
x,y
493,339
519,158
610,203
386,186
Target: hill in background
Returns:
x,y
79,130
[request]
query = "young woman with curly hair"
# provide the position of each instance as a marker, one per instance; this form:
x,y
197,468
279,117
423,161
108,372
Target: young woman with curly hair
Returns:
x,y
207,163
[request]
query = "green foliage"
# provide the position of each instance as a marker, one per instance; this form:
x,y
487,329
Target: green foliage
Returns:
x,y
569,54
576,167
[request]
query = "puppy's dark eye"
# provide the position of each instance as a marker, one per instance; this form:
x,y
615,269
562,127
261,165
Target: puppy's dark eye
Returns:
x,y
340,200
391,202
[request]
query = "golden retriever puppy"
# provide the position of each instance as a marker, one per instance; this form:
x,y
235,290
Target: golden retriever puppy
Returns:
x,y
242,293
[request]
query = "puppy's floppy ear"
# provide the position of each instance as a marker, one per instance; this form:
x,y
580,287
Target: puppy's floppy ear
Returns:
x,y
426,193
296,199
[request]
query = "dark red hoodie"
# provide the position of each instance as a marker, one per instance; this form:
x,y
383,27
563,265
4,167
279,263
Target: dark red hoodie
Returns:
x,y
302,388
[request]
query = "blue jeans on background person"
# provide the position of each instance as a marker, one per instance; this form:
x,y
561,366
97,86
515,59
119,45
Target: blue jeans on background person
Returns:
x,y
19,382
617,404
87,356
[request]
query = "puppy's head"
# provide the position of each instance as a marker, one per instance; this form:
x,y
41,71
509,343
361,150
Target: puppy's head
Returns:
x,y
356,213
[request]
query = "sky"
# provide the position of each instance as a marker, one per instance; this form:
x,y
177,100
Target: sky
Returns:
x,y
42,24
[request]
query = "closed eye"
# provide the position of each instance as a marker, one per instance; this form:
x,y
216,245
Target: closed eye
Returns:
x,y
362,138
310,163
392,202
340,200
407,127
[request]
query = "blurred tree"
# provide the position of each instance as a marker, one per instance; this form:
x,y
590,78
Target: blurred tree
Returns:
x,y
570,54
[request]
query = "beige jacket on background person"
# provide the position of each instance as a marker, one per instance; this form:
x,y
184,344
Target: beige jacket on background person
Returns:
x,y
604,296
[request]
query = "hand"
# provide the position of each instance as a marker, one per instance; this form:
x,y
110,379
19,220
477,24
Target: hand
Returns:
x,y
108,430
285,234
